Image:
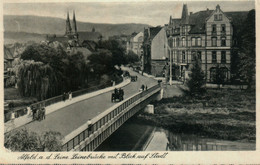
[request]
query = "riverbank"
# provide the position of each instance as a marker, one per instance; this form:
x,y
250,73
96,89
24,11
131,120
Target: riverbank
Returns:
x,y
221,114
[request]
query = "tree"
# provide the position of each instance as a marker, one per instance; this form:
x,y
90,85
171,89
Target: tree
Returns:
x,y
219,77
23,140
247,50
131,57
51,141
197,80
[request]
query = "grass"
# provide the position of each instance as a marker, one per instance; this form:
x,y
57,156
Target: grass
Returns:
x,y
221,114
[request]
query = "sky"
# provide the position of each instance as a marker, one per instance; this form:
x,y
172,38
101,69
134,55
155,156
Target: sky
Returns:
x,y
148,12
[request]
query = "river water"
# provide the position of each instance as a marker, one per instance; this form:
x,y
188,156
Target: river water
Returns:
x,y
133,136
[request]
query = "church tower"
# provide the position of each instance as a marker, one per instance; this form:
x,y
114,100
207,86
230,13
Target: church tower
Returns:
x,y
74,24
68,27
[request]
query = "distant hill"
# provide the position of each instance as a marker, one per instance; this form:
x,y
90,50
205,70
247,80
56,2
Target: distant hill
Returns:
x,y
51,25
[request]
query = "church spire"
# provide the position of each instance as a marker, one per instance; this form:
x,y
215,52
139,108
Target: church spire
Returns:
x,y
68,27
185,15
74,23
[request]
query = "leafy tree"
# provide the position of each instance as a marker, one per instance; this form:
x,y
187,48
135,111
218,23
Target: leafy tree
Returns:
x,y
23,140
101,62
197,80
247,50
219,77
51,141
131,57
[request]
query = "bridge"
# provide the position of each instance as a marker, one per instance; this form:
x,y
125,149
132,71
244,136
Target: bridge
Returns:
x,y
106,117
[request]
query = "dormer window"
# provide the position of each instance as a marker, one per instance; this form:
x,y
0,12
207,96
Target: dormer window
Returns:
x,y
220,17
215,17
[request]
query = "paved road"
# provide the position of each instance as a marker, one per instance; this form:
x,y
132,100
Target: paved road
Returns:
x,y
69,118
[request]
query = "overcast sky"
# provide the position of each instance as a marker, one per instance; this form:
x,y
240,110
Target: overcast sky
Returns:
x,y
150,12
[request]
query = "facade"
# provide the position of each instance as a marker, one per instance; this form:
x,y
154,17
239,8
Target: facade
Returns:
x,y
135,43
206,35
154,59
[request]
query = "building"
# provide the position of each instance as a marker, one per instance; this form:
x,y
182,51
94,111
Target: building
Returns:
x,y
73,37
135,43
207,35
154,59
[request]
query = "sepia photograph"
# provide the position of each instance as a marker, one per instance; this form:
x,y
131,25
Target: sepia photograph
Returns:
x,y
129,76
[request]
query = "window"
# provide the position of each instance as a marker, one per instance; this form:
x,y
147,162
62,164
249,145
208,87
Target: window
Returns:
x,y
199,41
183,30
193,41
214,57
173,42
199,55
223,28
178,42
193,54
223,57
220,17
223,41
183,42
215,17
183,56
214,29
214,41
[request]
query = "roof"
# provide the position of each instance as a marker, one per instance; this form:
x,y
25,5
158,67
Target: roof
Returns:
x,y
92,36
84,51
197,20
154,31
7,54
90,45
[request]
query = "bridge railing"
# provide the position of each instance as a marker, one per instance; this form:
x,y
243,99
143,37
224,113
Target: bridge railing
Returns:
x,y
79,135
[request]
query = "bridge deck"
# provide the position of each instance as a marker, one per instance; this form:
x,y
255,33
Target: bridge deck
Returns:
x,y
69,118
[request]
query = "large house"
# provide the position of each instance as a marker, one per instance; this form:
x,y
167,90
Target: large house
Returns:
x,y
135,43
154,59
208,35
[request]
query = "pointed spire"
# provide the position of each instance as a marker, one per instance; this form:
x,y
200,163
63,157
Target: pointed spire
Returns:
x,y
68,27
170,22
185,15
74,25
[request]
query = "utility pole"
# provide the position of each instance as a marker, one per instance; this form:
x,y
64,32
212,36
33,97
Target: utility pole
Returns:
x,y
170,66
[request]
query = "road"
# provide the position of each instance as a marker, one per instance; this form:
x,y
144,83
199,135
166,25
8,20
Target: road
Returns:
x,y
69,118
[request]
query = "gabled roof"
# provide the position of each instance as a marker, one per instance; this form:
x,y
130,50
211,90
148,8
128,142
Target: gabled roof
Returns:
x,y
7,54
92,36
90,45
154,31
197,20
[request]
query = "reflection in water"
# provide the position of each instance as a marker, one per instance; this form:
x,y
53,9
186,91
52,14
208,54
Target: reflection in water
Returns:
x,y
133,136
166,140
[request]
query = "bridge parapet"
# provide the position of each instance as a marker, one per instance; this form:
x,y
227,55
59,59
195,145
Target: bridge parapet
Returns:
x,y
88,138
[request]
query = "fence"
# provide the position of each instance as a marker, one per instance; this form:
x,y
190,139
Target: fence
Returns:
x,y
72,141
47,102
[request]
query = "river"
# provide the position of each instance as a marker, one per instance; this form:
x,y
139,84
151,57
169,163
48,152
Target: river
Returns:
x,y
133,136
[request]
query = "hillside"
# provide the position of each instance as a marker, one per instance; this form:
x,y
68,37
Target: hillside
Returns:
x,y
51,25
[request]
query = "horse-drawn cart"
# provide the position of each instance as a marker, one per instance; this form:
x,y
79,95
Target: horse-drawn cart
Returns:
x,y
117,95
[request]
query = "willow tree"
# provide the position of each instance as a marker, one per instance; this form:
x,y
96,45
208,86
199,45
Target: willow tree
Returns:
x,y
37,79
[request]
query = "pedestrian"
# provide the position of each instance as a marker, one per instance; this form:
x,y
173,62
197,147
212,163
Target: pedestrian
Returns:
x,y
43,113
29,111
70,95
89,126
34,112
143,87
146,87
